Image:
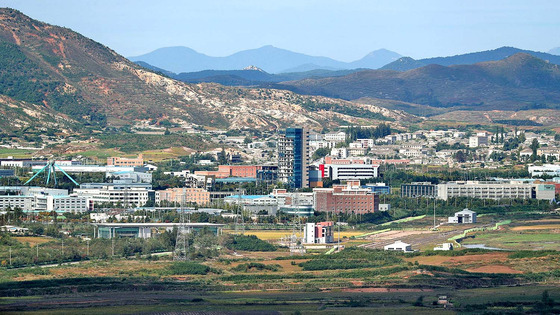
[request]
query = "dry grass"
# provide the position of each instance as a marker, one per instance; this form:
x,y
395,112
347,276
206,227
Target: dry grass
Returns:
x,y
32,240
536,227
274,235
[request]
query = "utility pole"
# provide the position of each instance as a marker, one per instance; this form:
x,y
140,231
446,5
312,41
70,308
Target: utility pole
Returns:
x,y
10,255
37,251
87,248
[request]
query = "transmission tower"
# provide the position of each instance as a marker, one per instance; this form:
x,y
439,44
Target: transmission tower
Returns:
x,y
182,242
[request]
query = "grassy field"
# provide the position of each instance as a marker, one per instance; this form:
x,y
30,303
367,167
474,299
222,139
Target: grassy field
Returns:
x,y
274,235
517,240
32,240
16,153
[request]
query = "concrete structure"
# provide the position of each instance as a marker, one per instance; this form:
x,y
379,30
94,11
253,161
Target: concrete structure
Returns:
x,y
293,157
419,189
399,246
96,168
496,190
349,198
119,161
477,141
183,196
318,233
126,194
147,230
465,216
384,207
22,163
444,246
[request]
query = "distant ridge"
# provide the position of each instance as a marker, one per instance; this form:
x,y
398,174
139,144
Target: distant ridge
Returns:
x,y
520,81
407,63
269,58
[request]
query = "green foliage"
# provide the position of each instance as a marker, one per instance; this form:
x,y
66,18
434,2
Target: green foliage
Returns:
x,y
352,258
347,110
130,143
188,268
533,254
249,243
320,153
255,266
380,131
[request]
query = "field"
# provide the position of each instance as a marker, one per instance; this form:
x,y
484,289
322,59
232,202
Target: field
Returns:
x,y
32,240
16,153
275,235
359,279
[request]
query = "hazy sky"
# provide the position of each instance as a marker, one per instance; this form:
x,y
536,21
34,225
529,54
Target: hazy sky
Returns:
x,y
342,29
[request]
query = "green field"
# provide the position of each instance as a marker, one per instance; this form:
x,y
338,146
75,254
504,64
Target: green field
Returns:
x,y
16,153
517,240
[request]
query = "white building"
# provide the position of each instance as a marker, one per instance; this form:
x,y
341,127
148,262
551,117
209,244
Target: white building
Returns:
x,y
477,141
444,246
351,171
546,169
335,136
399,246
495,190
43,199
128,195
465,216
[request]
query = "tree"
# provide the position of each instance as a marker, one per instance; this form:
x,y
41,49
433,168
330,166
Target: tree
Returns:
x,y
534,146
321,152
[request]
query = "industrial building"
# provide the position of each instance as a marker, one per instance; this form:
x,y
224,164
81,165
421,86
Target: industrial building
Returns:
x,y
43,199
496,190
399,246
350,171
419,189
147,230
183,196
465,216
349,198
126,194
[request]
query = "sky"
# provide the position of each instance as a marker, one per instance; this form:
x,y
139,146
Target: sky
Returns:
x,y
345,30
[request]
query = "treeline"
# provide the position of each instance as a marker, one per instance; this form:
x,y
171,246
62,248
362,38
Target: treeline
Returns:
x,y
354,133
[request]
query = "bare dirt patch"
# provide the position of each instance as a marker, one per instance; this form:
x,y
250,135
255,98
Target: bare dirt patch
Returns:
x,y
384,290
536,227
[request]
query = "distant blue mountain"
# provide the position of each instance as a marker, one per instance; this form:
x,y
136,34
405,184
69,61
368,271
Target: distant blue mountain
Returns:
x,y
268,58
555,51
407,63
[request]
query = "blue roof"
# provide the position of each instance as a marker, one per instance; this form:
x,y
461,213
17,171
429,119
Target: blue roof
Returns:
x,y
236,180
247,196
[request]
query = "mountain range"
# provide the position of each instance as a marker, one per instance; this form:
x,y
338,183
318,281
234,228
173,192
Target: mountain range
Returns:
x,y
54,78
407,63
520,81
269,58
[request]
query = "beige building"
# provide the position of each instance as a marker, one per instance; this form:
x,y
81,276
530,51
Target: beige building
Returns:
x,y
119,161
184,196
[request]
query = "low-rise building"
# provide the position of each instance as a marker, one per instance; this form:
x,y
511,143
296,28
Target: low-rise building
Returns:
x,y
465,216
349,198
126,194
399,246
419,189
119,161
318,233
496,190
183,196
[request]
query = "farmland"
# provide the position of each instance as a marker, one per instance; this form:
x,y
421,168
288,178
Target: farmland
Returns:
x,y
361,278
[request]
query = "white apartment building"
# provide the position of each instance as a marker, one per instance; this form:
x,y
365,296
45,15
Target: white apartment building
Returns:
x,y
43,199
547,169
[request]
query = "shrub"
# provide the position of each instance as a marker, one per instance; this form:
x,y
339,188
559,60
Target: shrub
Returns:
x,y
255,266
249,243
189,268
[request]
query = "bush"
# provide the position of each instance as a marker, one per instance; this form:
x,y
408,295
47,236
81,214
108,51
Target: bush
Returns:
x,y
255,266
189,268
249,243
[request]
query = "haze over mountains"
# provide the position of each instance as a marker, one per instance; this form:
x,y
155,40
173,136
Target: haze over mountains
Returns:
x,y
268,58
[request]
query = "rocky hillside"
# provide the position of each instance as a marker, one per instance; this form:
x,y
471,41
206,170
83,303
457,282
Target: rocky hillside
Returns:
x,y
52,75
515,83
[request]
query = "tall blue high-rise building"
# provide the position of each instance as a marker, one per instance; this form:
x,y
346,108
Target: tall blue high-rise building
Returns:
x,y
293,157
